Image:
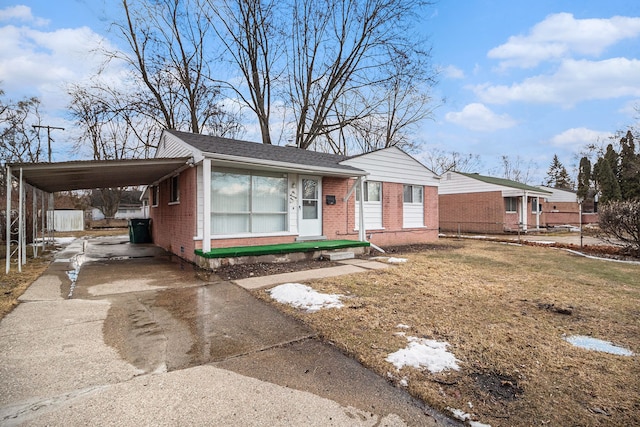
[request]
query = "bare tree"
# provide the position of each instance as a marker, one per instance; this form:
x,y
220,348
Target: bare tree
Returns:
x,y
339,47
170,41
254,43
440,161
515,169
19,142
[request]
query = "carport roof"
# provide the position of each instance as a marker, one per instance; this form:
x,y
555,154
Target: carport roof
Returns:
x,y
89,174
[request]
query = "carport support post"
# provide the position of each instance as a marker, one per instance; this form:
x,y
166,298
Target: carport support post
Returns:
x,y
206,210
8,220
362,234
525,212
22,250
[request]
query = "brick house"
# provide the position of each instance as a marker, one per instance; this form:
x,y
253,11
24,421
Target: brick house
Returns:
x,y
473,203
239,193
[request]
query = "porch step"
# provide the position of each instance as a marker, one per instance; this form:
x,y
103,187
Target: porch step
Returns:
x,y
338,256
310,238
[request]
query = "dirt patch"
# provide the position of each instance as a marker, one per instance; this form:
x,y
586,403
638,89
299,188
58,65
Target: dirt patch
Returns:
x,y
243,271
501,387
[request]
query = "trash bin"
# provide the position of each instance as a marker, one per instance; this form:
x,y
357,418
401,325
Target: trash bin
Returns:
x,y
140,230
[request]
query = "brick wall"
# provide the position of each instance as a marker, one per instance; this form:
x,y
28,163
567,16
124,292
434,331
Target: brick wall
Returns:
x,y
173,226
560,213
474,213
336,221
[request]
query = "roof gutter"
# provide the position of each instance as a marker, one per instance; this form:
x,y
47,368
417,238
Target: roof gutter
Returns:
x,y
291,167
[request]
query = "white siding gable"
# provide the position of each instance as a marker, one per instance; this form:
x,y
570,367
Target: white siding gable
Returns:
x,y
172,146
393,165
558,195
455,183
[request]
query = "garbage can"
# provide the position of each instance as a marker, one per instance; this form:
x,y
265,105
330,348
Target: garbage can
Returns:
x,y
140,230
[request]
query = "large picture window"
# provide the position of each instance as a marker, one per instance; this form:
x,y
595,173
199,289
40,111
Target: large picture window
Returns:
x,y
248,202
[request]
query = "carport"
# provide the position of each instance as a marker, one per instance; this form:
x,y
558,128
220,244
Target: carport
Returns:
x,y
49,178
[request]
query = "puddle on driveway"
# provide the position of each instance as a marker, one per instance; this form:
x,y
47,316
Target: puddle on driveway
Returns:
x,y
76,263
183,327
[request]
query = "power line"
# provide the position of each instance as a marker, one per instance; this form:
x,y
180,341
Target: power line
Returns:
x,y
48,135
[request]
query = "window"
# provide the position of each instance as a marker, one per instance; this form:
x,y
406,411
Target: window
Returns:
x,y
155,193
248,202
511,204
372,191
412,194
535,206
412,208
174,190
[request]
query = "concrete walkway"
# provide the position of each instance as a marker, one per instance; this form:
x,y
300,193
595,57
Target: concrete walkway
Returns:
x,y
349,266
143,341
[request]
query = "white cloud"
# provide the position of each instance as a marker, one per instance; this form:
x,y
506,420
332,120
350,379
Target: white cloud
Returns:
x,y
561,35
41,63
453,72
21,13
573,82
578,137
477,117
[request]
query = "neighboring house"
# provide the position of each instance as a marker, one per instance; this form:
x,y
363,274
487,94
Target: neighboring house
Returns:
x,y
473,203
239,193
562,208
131,206
124,212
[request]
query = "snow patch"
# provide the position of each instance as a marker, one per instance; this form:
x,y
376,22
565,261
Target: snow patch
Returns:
x,y
394,260
421,352
463,416
590,343
402,326
305,297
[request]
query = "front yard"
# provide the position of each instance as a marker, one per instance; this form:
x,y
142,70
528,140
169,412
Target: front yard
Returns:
x,y
505,312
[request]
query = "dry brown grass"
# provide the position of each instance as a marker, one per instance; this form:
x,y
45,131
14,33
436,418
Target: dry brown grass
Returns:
x,y
14,284
500,307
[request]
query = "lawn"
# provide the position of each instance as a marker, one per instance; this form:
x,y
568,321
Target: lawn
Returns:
x,y
503,310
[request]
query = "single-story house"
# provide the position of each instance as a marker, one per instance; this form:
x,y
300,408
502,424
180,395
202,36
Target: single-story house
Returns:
x,y
238,193
473,203
562,208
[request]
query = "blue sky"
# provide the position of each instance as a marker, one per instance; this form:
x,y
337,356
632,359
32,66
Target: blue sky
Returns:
x,y
526,79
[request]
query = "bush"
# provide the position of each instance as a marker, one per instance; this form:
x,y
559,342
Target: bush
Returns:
x,y
620,224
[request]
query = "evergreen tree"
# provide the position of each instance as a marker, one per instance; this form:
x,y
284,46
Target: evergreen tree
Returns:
x,y
557,175
629,171
607,181
584,178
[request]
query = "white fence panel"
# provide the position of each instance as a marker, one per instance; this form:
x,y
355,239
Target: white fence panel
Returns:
x,y
65,220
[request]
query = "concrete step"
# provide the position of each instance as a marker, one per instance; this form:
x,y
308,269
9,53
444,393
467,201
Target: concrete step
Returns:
x,y
337,256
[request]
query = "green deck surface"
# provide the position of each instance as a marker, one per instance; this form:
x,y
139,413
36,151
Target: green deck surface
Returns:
x,y
283,248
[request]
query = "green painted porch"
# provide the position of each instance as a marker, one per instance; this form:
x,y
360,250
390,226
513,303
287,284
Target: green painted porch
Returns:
x,y
279,249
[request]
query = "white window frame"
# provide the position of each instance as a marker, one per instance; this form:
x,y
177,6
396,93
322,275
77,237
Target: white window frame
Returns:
x,y
174,190
251,212
515,204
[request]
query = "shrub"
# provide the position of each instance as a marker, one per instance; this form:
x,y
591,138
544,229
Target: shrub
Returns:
x,y
620,224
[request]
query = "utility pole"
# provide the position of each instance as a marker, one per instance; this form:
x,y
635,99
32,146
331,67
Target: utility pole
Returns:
x,y
48,135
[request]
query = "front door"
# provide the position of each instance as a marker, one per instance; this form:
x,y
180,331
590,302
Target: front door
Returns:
x,y
310,208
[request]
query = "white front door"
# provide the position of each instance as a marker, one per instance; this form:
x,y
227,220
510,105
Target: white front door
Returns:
x,y
310,206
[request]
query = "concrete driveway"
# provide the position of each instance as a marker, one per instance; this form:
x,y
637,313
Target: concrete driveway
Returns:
x,y
120,334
